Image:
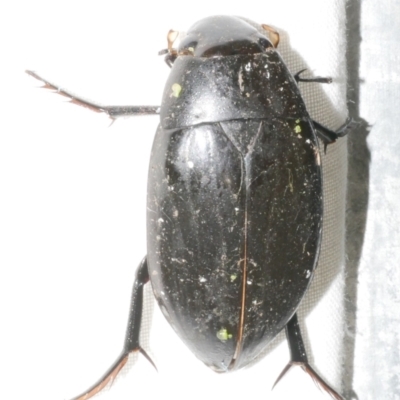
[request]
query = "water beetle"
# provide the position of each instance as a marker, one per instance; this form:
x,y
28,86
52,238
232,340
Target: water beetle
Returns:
x,y
234,198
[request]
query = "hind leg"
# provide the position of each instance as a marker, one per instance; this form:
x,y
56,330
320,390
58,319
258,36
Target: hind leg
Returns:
x,y
298,357
132,335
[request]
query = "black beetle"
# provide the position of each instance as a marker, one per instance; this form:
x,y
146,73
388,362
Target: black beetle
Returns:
x,y
234,198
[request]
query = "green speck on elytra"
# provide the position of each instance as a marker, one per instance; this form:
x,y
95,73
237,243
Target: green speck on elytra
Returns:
x,y
223,335
176,89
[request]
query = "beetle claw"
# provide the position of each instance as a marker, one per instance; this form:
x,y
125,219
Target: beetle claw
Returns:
x,y
283,373
143,352
109,377
319,382
322,385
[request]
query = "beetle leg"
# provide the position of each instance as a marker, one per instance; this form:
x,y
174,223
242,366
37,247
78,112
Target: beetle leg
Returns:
x,y
329,136
298,356
132,335
112,111
317,79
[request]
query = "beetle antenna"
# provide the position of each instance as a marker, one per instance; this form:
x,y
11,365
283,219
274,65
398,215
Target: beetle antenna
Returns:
x,y
273,34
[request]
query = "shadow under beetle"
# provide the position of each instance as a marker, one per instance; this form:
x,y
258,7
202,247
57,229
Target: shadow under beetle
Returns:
x,y
234,198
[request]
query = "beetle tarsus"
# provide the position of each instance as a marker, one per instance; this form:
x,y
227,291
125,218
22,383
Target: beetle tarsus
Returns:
x,y
319,382
107,378
322,385
298,357
317,79
131,344
112,111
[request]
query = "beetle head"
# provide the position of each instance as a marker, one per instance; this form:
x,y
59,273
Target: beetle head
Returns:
x,y
221,36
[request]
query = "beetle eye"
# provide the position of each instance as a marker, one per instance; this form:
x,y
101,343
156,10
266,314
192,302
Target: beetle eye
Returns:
x,y
189,48
264,43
